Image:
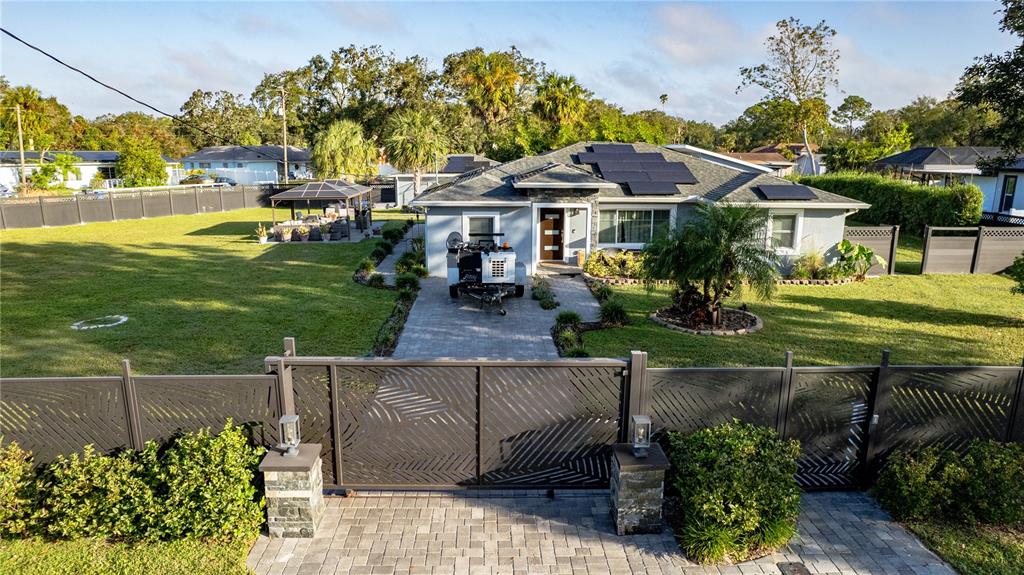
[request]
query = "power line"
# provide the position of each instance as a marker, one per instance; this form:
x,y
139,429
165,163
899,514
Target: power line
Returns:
x,y
136,100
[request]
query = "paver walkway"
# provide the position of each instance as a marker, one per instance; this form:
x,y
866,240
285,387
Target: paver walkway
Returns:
x,y
459,532
386,267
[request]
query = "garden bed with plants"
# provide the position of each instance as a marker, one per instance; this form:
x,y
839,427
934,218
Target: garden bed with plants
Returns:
x,y
731,322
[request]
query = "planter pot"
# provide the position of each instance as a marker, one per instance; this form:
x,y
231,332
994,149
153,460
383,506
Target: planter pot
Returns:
x,y
263,239
304,238
326,238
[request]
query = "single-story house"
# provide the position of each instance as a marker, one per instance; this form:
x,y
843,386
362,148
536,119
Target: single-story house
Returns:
x,y
801,158
1008,191
593,195
727,159
102,162
940,166
455,164
250,164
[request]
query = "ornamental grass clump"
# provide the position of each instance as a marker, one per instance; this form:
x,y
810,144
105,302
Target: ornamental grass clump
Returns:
x,y
736,492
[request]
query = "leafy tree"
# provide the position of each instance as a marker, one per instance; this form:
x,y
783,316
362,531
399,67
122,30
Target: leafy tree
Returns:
x,y
140,164
857,154
801,65
996,81
561,100
65,165
767,122
853,109
224,118
46,123
494,85
711,256
341,151
414,143
108,132
1016,273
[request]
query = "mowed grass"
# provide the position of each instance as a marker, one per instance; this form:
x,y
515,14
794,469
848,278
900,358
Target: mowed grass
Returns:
x,y
929,319
98,557
202,296
976,550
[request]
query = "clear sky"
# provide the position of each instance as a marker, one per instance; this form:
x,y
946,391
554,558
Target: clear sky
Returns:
x,y
626,52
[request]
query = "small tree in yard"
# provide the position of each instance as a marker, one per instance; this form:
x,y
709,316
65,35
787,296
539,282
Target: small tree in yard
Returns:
x,y
140,164
1016,273
414,142
710,257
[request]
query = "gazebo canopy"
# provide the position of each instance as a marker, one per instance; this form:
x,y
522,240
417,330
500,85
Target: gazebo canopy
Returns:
x,y
326,190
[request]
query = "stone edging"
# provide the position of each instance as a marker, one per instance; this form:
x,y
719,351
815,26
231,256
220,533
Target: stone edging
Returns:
x,y
795,282
783,282
758,325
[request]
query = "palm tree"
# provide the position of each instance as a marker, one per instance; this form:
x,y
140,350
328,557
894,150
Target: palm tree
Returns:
x,y
490,81
561,100
712,254
414,142
341,151
664,100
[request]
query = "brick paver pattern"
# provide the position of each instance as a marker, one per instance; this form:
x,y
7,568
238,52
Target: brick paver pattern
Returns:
x,y
486,532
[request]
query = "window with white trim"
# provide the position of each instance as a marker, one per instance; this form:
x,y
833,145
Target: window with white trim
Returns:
x,y
784,231
1009,190
632,226
481,225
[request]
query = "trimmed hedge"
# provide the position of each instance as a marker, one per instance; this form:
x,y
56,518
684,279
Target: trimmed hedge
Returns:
x,y
911,206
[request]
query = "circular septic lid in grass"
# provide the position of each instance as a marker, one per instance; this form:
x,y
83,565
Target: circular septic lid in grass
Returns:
x,y
99,322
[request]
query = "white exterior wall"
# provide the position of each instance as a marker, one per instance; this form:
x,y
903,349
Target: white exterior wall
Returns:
x,y
10,178
514,222
993,196
817,230
405,185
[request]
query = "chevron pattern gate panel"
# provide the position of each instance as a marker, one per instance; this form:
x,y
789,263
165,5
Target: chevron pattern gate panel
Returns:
x,y
407,425
829,416
170,404
548,426
687,399
948,406
50,416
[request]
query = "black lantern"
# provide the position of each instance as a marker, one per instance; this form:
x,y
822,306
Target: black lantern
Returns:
x,y
641,435
288,432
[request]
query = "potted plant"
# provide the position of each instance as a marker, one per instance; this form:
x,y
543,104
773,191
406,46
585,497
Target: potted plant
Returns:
x,y
261,233
304,233
325,232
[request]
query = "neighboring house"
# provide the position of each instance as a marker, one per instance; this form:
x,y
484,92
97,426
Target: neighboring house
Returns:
x,y
801,159
250,164
554,206
774,161
1008,194
726,159
455,164
940,166
92,162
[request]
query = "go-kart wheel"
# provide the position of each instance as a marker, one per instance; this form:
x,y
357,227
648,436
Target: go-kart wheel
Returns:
x,y
520,290
453,292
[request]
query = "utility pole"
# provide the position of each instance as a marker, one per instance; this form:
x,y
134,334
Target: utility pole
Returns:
x,y
284,134
21,143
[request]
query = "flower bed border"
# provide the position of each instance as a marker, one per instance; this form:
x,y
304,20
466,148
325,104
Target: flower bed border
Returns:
x,y
783,282
758,325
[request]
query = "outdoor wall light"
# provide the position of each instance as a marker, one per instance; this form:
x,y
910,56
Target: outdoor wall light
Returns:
x,y
641,435
288,431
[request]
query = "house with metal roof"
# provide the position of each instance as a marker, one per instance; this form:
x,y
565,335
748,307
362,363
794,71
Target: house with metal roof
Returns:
x,y
943,166
91,163
251,164
559,206
454,165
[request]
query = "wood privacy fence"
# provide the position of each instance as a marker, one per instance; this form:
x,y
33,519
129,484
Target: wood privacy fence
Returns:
x,y
970,250
48,211
528,424
881,239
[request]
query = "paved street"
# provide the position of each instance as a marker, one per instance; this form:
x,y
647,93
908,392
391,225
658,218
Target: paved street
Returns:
x,y
467,532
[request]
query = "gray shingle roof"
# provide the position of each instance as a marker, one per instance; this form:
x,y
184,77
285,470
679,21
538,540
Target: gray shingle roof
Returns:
x,y
924,156
247,154
462,163
714,182
556,174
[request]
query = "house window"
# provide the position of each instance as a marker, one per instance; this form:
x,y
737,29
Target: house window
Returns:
x,y
239,165
632,226
1009,189
204,165
784,231
479,223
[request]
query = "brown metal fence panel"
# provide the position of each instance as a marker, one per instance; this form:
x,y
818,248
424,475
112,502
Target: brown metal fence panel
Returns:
x,y
172,404
156,204
947,406
95,209
690,399
999,247
828,415
128,206
22,213
208,200
61,211
548,425
183,201
234,199
52,416
881,239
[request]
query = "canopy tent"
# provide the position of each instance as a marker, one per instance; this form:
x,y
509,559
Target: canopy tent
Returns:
x,y
340,192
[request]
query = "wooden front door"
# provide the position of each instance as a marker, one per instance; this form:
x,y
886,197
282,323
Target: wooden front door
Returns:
x,y
552,223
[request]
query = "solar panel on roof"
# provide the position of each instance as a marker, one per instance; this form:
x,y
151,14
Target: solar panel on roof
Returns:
x,y
613,148
652,188
624,176
787,192
607,166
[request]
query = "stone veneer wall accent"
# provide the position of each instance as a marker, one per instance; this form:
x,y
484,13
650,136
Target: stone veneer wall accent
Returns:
x,y
637,490
294,489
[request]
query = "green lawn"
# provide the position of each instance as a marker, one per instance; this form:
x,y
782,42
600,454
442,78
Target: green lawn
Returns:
x,y
931,319
97,557
200,294
975,550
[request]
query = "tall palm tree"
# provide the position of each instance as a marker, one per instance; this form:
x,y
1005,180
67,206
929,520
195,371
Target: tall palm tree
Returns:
x,y
491,80
414,141
561,100
714,253
341,151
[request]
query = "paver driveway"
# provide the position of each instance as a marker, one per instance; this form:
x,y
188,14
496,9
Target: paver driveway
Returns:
x,y
467,533
439,326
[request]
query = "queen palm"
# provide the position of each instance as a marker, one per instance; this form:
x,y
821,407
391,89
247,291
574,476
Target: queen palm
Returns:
x,y
341,151
490,81
714,253
561,100
414,142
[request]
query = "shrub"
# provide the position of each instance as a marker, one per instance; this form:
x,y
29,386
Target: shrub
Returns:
x,y
386,246
549,303
419,270
375,280
94,495
810,266
378,253
568,338
366,265
602,292
577,352
737,494
624,264
407,281
912,206
418,245
613,312
406,296
1016,273
393,235
568,319
984,484
406,261
17,489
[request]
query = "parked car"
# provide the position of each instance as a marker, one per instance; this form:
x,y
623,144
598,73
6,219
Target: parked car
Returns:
x,y
90,193
223,180
196,179
6,192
